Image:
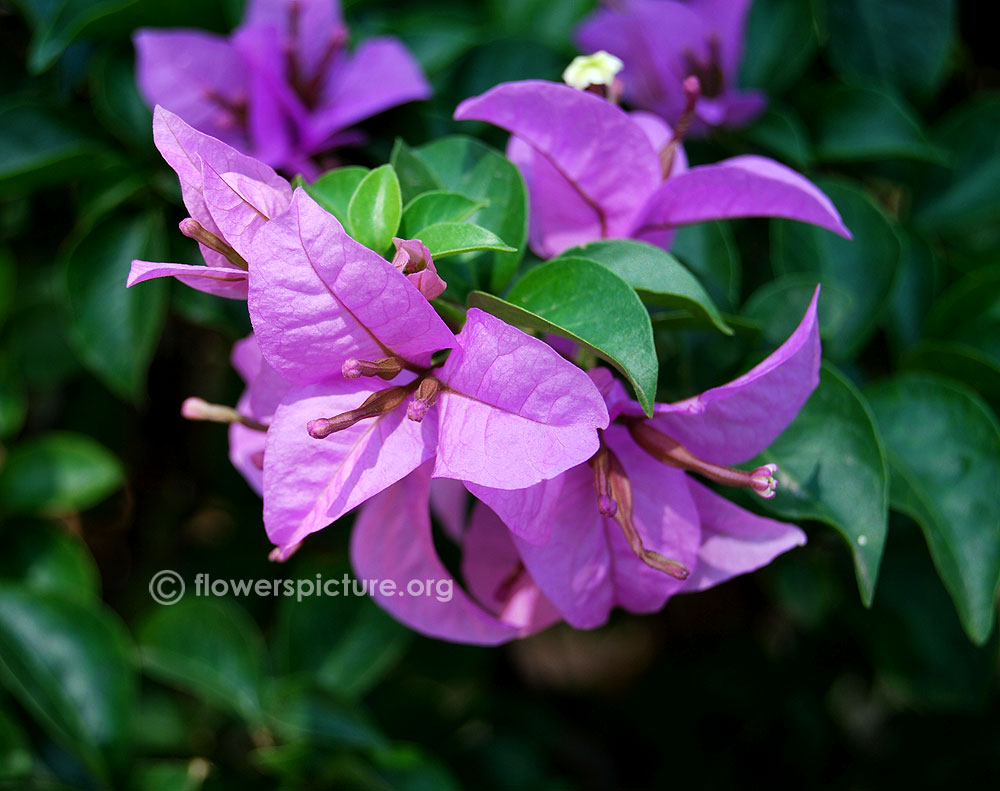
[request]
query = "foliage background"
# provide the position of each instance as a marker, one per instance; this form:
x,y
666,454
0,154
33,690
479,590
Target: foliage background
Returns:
x,y
785,675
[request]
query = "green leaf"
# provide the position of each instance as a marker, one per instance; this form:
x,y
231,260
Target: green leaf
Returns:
x,y
781,42
832,467
116,330
69,664
57,473
943,446
708,250
437,206
358,645
15,754
586,302
301,713
376,209
334,190
548,22
777,307
8,281
467,166
48,558
898,44
57,23
116,99
863,267
914,290
415,175
173,775
964,198
451,238
38,146
967,364
209,647
658,277
781,131
863,124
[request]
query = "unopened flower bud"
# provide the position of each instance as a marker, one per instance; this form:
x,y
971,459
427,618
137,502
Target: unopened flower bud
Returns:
x,y
414,260
376,404
199,409
386,368
763,482
195,230
423,399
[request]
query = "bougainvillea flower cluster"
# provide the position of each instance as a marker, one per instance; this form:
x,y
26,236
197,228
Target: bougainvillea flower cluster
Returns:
x,y
662,42
566,499
594,171
283,87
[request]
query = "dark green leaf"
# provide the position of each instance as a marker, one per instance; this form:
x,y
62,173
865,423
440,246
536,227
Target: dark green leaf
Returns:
x,y
472,168
173,775
116,330
914,290
588,303
901,44
831,467
334,190
781,42
15,755
451,238
963,198
117,102
777,307
8,281
69,664
434,207
708,250
57,473
376,209
46,557
958,361
943,446
863,267
39,147
781,131
658,277
57,22
860,124
415,175
209,647
300,713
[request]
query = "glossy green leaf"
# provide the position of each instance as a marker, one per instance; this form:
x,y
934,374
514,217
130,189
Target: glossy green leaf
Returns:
x,y
862,124
969,313
430,208
864,267
780,131
965,197
117,102
57,22
586,302
831,467
914,290
780,43
708,250
69,664
57,473
415,175
334,190
46,557
777,307
209,647
467,166
115,330
943,446
300,713
376,209
451,238
658,277
40,146
901,44
958,361
358,645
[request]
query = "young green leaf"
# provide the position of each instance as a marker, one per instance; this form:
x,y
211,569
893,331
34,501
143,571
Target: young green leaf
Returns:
x,y
415,176
437,206
334,190
451,238
376,209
